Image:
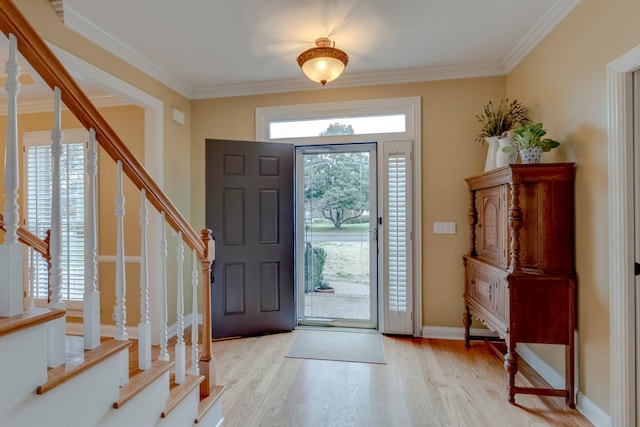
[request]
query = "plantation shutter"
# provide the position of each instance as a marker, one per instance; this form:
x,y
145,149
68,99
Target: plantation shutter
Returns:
x,y
397,237
38,211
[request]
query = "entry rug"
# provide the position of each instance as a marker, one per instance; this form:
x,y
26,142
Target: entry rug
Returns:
x,y
364,347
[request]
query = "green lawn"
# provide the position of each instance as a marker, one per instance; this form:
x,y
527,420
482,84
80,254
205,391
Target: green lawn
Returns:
x,y
328,227
346,262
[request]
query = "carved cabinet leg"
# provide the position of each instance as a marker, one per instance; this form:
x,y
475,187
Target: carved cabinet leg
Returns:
x,y
511,366
466,321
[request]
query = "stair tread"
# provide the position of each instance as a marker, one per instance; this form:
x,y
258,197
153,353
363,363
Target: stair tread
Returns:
x,y
140,380
179,391
207,402
61,374
31,316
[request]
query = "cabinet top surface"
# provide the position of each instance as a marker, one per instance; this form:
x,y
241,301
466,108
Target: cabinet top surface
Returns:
x,y
519,173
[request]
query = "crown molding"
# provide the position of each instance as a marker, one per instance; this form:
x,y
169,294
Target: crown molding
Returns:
x,y
58,6
95,34
549,21
539,31
411,75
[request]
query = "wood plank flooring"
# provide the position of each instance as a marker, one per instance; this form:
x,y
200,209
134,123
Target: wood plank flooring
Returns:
x,y
424,383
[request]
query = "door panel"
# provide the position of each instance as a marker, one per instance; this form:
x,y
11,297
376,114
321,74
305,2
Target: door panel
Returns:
x,y
249,207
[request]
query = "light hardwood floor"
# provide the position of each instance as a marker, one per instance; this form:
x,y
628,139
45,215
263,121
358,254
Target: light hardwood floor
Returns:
x,y
424,383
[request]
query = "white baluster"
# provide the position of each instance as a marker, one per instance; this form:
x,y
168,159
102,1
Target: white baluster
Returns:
x,y
121,283
56,206
195,370
164,354
56,329
11,254
91,305
32,277
144,328
180,347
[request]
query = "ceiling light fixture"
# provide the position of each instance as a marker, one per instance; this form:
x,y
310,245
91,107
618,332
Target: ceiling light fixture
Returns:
x,y
323,63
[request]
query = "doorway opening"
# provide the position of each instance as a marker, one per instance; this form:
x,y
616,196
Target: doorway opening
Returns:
x,y
393,126
336,217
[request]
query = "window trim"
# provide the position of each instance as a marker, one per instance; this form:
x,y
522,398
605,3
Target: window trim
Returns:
x,y
43,138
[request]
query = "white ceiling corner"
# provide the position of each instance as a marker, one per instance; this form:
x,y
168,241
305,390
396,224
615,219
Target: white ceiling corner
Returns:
x,y
543,27
95,34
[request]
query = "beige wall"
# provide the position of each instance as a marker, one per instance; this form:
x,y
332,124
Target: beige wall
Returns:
x,y
449,154
563,81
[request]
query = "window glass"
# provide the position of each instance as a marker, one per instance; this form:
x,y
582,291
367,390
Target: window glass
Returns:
x,y
38,210
363,125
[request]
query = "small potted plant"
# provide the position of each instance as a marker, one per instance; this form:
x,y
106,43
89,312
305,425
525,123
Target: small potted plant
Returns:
x,y
528,141
497,121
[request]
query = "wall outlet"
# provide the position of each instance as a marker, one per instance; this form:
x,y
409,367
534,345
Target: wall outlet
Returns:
x,y
444,228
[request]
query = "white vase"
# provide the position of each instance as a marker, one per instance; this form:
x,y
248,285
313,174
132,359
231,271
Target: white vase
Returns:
x,y
490,163
502,158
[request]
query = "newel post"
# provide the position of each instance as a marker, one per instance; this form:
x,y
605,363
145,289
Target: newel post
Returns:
x,y
206,364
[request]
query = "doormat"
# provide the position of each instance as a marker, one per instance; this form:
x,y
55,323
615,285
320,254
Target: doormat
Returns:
x,y
363,347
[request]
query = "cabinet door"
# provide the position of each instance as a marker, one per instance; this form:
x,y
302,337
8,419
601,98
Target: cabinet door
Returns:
x,y
491,229
486,293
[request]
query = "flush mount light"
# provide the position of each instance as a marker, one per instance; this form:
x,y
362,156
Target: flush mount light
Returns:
x,y
323,63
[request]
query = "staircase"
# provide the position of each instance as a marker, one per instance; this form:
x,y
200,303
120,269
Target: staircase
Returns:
x,y
54,379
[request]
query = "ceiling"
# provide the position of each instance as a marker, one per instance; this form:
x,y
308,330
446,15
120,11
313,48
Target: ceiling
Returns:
x,y
214,48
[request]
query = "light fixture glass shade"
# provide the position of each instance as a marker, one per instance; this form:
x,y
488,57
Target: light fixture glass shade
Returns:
x,y
323,63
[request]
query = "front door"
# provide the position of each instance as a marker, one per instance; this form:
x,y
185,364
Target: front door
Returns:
x,y
249,207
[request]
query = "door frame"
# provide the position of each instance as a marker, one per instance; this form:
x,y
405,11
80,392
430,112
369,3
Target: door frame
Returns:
x,y
411,107
621,239
371,147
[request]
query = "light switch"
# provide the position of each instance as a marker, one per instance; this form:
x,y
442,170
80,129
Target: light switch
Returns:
x,y
444,228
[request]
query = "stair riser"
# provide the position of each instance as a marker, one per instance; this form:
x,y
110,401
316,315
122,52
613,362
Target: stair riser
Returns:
x,y
80,402
144,409
184,413
23,367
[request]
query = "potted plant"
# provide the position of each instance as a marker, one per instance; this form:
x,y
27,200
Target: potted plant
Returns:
x,y
497,121
528,141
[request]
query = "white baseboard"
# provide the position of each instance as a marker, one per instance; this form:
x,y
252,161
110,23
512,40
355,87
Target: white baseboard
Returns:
x,y
110,330
590,410
450,333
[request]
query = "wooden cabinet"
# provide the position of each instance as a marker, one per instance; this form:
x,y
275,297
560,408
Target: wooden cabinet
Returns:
x,y
519,274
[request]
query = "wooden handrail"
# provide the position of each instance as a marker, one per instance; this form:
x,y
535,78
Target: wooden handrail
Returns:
x,y
29,239
46,64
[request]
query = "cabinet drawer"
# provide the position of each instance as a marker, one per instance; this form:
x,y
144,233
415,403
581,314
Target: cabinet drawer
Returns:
x,y
487,286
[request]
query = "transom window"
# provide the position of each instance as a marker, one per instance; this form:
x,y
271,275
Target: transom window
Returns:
x,y
363,125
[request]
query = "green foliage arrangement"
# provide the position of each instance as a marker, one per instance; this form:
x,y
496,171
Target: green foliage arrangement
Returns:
x,y
314,258
501,118
530,135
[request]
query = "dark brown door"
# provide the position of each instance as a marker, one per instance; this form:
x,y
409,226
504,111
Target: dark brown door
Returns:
x,y
249,207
